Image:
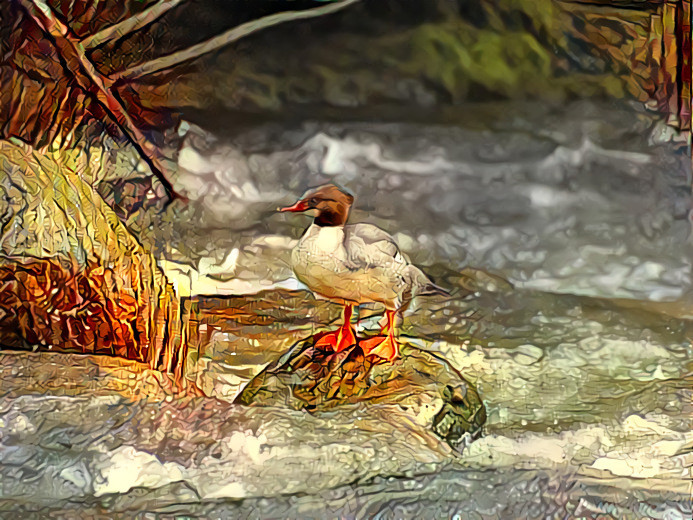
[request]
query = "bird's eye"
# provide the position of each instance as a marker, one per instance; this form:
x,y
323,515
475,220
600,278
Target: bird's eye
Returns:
x,y
313,201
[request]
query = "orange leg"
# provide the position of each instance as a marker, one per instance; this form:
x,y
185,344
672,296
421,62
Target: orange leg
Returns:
x,y
342,338
384,347
371,342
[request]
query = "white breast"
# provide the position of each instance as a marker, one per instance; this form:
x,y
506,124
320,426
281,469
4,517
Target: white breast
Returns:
x,y
320,262
326,240
319,246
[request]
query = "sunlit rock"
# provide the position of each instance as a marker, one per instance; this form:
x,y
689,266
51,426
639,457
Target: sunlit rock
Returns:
x,y
73,277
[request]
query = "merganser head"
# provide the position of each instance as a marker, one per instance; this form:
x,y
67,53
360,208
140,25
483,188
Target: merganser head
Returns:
x,y
330,202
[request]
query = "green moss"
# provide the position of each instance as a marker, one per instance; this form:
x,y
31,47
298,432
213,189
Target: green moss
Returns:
x,y
514,48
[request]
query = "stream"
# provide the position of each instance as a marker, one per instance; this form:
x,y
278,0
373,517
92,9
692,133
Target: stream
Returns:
x,y
563,233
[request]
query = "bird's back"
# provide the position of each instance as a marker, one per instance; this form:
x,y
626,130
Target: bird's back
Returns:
x,y
357,263
367,245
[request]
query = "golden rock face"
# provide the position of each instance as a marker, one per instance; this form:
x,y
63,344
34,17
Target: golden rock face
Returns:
x,y
69,308
73,278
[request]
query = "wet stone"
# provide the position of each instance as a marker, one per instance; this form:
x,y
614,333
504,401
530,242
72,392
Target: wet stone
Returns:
x,y
527,354
421,383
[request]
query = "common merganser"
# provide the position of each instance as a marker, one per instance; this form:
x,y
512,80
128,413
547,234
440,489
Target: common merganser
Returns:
x,y
353,264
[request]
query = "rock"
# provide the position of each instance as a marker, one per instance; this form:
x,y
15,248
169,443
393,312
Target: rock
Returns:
x,y
419,382
72,277
527,354
65,374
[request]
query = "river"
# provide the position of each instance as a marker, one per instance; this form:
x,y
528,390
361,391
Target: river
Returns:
x,y
563,232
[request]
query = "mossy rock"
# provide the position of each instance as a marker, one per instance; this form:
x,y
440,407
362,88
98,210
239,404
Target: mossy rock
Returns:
x,y
420,382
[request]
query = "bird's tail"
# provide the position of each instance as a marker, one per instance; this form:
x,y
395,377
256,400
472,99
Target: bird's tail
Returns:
x,y
423,286
431,289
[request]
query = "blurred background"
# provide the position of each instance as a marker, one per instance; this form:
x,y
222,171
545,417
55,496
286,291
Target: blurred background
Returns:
x,y
547,141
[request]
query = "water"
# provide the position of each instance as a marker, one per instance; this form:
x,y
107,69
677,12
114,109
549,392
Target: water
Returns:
x,y
583,358
581,199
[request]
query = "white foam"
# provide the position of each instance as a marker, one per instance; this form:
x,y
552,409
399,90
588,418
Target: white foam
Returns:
x,y
638,448
585,219
126,468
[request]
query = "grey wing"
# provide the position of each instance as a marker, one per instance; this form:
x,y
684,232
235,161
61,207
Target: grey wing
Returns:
x,y
375,254
368,246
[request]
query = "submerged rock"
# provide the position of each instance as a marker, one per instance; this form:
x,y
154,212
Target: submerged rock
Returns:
x,y
422,384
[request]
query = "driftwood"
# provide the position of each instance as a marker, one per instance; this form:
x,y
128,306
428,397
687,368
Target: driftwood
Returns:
x,y
130,25
224,39
70,53
92,81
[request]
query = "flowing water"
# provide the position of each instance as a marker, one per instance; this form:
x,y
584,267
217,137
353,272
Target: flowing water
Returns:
x,y
583,357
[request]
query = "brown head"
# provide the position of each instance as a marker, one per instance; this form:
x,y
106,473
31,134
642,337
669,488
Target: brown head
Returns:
x,y
331,205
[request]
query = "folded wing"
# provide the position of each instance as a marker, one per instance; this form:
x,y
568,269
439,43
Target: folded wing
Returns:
x,y
370,247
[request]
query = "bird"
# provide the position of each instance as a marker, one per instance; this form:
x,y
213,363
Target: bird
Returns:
x,y
352,264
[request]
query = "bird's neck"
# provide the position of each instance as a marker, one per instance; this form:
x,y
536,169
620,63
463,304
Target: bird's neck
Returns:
x,y
327,239
332,217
